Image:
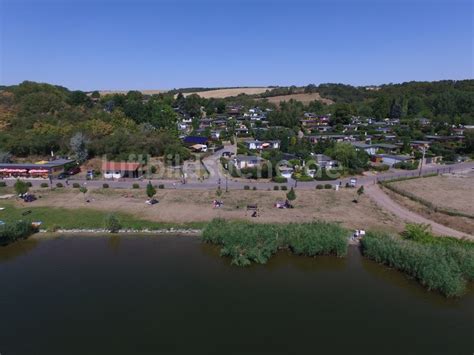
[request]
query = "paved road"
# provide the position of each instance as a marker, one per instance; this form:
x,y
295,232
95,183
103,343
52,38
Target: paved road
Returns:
x,y
232,184
384,201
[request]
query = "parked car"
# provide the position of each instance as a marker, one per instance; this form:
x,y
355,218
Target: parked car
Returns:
x,y
74,171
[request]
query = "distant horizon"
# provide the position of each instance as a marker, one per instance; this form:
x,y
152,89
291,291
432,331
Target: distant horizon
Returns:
x,y
236,87
160,45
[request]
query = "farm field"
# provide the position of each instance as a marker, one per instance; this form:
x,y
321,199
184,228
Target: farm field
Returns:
x,y
304,98
222,93
190,206
145,92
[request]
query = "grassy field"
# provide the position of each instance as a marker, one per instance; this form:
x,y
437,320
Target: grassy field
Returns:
x,y
189,206
79,218
304,98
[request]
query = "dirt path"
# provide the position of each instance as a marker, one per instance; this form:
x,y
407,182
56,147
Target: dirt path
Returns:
x,y
384,201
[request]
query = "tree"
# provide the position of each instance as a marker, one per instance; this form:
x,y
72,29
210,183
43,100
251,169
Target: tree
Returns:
x,y
291,195
78,146
21,187
5,157
95,95
150,190
112,223
83,189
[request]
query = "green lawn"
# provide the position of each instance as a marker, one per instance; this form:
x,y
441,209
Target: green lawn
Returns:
x,y
81,218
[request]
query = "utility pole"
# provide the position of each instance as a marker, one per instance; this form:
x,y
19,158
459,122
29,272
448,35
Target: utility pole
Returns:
x,y
226,186
422,159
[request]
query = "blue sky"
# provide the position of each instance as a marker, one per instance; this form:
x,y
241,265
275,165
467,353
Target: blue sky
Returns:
x,y
109,44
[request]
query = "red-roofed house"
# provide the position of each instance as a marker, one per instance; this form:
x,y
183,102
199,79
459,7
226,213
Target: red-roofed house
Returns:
x,y
117,170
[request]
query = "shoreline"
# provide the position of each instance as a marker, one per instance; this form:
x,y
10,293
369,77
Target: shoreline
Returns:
x,y
42,233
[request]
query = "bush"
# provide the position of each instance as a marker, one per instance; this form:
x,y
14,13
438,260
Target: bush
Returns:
x,y
381,167
246,187
323,174
247,242
76,185
112,223
161,186
21,187
150,190
105,186
153,169
348,185
11,232
276,187
254,188
319,187
29,184
291,195
59,185
135,186
44,184
437,267
302,177
406,165
280,179
3,184
284,188
328,186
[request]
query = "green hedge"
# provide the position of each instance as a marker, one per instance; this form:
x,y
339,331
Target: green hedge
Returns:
x,y
247,243
280,179
327,175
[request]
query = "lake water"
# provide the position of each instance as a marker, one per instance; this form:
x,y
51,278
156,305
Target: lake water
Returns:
x,y
160,295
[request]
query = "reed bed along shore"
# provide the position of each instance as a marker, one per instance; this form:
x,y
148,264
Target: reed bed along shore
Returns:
x,y
246,243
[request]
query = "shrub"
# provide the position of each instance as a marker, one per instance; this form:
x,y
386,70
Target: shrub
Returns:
x,y
3,184
284,188
381,167
246,242
328,186
21,187
323,174
135,186
291,195
29,184
276,187
150,190
44,184
11,232
280,179
161,186
112,223
59,185
254,188
348,185
153,169
319,187
76,185
406,165
246,187
105,186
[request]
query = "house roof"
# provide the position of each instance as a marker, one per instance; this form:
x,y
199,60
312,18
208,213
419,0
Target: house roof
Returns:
x,y
247,158
47,165
120,166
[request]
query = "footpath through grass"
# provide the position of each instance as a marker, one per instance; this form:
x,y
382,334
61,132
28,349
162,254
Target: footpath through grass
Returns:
x,y
81,218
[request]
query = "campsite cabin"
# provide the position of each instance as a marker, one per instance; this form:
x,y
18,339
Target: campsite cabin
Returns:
x,y
117,170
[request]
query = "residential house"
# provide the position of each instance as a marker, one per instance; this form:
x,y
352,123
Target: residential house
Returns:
x,y
247,161
391,160
117,170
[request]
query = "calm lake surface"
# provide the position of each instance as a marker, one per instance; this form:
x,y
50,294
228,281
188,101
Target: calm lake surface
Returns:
x,y
159,295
